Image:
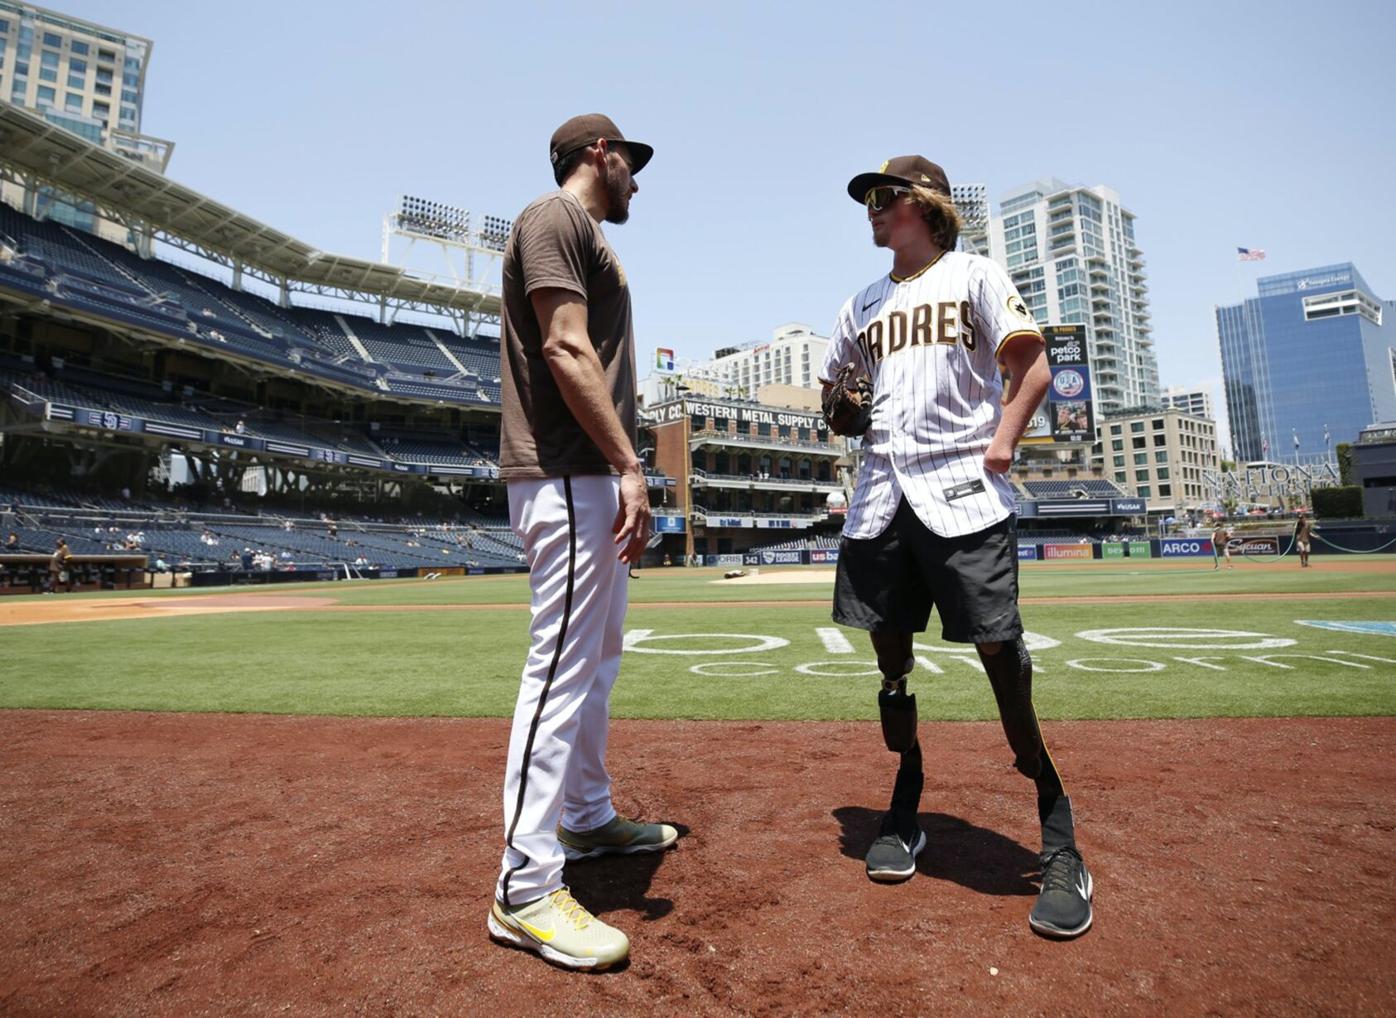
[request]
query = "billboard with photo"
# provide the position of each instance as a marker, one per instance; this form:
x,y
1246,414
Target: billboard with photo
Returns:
x,y
1067,413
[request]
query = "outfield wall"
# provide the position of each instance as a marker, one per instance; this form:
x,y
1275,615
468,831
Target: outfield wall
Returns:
x,y
1339,538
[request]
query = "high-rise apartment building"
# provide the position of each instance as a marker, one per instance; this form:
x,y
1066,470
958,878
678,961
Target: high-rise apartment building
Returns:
x,y
1072,254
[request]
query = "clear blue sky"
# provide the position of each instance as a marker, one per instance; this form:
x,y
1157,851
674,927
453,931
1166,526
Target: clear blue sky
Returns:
x,y
1220,124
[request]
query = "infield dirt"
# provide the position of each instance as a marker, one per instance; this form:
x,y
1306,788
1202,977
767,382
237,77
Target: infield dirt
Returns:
x,y
178,864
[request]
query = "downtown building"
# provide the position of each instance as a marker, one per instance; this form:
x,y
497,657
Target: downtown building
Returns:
x,y
1071,252
1307,363
1196,402
1162,456
84,78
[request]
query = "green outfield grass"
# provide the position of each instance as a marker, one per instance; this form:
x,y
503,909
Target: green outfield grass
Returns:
x,y
466,663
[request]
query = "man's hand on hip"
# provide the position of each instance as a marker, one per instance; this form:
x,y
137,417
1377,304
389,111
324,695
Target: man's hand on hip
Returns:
x,y
632,525
999,456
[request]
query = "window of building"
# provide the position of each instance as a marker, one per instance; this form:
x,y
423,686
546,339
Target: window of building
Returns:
x,y
1162,473
106,54
1136,426
1119,461
1141,475
46,95
80,48
77,81
1117,444
1139,442
50,39
48,74
1160,440
72,103
101,110
1120,477
1165,491
1161,456
1141,459
4,26
1144,491
48,58
1115,429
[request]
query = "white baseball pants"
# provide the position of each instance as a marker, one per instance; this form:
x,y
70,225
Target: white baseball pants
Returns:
x,y
556,766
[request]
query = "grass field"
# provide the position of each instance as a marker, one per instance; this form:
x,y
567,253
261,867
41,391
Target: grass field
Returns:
x,y
772,655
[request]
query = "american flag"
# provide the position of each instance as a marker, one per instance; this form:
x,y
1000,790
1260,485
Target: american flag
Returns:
x,y
1250,254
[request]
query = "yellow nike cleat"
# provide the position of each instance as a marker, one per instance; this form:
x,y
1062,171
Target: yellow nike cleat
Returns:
x,y
620,836
561,930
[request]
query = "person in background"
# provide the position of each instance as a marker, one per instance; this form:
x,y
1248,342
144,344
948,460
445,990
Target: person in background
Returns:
x,y
1303,531
1221,547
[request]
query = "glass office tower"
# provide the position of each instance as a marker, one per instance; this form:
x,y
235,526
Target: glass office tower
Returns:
x,y
1307,363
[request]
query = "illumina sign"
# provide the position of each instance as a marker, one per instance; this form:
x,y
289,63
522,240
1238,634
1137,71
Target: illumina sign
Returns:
x,y
1257,481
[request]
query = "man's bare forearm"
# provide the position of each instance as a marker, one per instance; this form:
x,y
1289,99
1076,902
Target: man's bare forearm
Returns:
x,y
1030,378
582,382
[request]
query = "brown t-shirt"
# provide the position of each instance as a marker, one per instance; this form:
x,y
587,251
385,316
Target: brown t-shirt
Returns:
x,y
555,243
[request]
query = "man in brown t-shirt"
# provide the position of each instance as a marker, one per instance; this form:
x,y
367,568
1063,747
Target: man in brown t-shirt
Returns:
x,y
579,502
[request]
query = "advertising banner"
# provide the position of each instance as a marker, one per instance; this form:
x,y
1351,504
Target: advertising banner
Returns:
x,y
1027,552
1140,549
1128,507
669,524
1069,407
1185,547
773,558
1255,546
1053,552
823,556
1112,549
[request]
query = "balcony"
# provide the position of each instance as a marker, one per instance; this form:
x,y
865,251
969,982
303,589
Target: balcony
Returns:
x,y
757,519
755,482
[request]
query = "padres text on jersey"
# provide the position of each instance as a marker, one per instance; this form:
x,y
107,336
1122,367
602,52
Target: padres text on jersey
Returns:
x,y
930,343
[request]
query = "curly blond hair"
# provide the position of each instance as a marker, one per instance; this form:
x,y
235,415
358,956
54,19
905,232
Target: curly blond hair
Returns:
x,y
940,215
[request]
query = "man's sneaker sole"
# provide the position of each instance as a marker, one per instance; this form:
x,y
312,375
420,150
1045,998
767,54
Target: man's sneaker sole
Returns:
x,y
890,876
1056,932
509,938
577,854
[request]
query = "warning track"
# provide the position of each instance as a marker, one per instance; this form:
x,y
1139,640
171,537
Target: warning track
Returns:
x,y
30,613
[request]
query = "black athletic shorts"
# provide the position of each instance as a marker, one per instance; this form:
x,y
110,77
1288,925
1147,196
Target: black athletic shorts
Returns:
x,y
890,582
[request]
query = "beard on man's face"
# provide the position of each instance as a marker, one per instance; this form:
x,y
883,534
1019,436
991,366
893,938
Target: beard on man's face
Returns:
x,y
617,195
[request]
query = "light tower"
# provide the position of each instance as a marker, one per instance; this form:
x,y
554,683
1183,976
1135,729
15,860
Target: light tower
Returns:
x,y
471,256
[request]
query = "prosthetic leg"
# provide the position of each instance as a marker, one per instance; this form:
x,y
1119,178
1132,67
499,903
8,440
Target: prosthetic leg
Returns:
x,y
1010,674
892,856
1063,907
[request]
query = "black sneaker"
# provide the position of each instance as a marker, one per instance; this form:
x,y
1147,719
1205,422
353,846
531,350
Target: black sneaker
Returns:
x,y
1063,906
892,857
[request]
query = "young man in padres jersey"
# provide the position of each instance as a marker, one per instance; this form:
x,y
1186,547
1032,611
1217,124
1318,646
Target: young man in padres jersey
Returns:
x,y
931,522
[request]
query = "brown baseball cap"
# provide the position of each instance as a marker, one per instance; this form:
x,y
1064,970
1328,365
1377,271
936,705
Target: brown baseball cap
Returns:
x,y
584,130
900,171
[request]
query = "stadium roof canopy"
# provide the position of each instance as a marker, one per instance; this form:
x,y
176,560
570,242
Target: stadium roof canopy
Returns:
x,y
38,152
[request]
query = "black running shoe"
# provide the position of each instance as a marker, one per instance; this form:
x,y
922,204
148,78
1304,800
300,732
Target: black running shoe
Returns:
x,y
892,857
1063,906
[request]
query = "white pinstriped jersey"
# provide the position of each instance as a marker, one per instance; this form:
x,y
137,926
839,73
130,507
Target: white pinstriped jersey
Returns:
x,y
930,344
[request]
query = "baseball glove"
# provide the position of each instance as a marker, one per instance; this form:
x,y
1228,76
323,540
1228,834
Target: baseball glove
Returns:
x,y
847,403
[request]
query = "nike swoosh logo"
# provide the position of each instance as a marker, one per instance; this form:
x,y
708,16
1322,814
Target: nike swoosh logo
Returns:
x,y
1081,886
866,306
543,935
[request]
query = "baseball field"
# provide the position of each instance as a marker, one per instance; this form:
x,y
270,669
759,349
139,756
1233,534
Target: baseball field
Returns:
x,y
287,800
